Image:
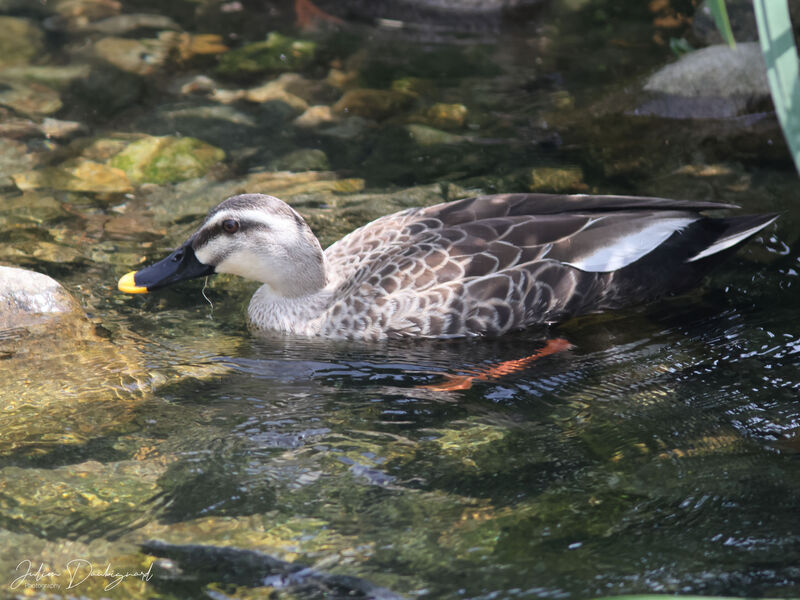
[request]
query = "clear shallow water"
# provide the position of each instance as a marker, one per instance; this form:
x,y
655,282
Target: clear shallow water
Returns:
x,y
659,454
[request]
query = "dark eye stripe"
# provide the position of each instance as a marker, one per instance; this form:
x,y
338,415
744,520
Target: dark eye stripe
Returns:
x,y
204,235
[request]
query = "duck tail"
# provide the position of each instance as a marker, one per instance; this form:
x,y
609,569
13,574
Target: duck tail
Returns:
x,y
733,232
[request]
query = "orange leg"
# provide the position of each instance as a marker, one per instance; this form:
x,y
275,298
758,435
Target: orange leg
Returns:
x,y
308,14
464,382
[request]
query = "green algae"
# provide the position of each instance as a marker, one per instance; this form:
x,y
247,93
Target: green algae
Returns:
x,y
166,159
278,53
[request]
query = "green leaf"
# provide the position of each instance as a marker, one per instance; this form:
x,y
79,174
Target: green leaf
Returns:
x,y
783,68
720,13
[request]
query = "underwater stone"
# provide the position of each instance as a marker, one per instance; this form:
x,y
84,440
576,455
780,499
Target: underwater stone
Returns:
x,y
14,157
314,117
29,98
557,179
166,159
276,53
76,175
21,41
57,77
305,159
429,136
446,116
372,104
141,57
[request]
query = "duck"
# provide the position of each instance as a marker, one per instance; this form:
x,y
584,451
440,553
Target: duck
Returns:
x,y
481,266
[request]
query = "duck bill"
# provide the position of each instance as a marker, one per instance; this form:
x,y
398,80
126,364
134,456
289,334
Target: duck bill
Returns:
x,y
178,266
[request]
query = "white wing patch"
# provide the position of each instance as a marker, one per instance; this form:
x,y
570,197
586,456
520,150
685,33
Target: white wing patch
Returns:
x,y
725,243
629,247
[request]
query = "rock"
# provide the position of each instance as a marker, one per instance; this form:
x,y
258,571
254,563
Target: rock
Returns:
x,y
306,159
122,24
315,116
446,116
414,86
715,82
348,129
166,159
21,41
55,77
277,53
276,90
85,10
29,98
141,57
85,493
14,157
30,298
75,175
102,150
428,136
557,180
187,45
372,104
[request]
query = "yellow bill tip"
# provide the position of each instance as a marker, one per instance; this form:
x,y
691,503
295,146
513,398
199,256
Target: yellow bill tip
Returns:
x,y
128,285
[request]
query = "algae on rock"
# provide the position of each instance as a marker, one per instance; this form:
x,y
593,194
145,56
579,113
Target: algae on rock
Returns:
x,y
166,159
277,53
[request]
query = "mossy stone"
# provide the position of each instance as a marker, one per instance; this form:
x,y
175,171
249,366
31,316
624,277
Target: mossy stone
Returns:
x,y
372,104
166,159
278,53
21,41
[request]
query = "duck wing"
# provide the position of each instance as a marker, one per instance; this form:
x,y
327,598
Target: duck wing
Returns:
x,y
486,265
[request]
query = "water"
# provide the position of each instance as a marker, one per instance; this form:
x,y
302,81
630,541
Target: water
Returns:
x,y
658,454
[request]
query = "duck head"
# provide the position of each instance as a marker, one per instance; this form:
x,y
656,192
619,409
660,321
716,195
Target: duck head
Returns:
x,y
252,235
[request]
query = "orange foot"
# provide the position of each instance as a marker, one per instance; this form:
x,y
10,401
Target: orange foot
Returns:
x,y
464,382
308,14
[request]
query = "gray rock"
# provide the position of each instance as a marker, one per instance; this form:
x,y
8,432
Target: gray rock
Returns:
x,y
715,82
30,298
305,159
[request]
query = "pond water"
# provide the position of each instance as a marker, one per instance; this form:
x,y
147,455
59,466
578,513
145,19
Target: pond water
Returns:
x,y
659,454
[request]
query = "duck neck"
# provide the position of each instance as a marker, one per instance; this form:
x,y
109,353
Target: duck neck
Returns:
x,y
269,311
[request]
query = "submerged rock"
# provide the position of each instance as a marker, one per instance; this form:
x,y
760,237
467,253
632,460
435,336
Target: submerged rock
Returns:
x,y
29,98
20,42
205,563
446,116
278,53
305,159
80,498
75,175
315,116
429,136
715,82
121,24
14,157
141,57
166,159
28,298
557,180
57,77
372,104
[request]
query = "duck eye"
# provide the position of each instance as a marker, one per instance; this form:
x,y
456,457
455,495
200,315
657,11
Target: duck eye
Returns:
x,y
230,226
